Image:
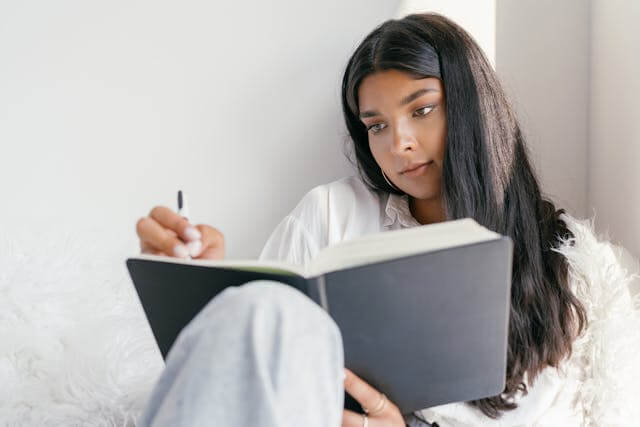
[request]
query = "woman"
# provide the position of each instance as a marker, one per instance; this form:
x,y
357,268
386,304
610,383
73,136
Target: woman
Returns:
x,y
434,139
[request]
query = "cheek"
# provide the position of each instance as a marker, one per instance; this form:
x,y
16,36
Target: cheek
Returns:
x,y
377,151
434,140
442,137
442,145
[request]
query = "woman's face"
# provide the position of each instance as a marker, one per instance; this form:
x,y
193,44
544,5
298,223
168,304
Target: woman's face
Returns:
x,y
407,126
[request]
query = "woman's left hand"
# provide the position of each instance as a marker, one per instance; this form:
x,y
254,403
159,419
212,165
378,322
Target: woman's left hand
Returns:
x,y
382,412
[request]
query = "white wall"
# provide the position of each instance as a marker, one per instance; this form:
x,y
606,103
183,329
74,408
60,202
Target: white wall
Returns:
x,y
108,108
542,58
614,126
572,69
477,17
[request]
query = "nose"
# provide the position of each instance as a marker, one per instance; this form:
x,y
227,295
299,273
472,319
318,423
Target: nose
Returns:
x,y
403,138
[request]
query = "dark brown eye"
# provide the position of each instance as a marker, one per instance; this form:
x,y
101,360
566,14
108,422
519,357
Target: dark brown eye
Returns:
x,y
424,110
376,127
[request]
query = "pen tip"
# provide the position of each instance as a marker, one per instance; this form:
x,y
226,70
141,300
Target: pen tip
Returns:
x,y
179,199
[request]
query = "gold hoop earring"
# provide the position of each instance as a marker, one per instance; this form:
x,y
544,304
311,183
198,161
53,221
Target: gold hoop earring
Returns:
x,y
389,182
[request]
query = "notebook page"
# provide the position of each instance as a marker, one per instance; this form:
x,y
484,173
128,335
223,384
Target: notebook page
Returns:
x,y
398,243
266,266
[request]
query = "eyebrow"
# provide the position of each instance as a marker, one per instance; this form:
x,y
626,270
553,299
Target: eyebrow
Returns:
x,y
405,101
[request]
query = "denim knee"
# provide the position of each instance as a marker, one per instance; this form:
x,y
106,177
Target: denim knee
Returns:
x,y
269,297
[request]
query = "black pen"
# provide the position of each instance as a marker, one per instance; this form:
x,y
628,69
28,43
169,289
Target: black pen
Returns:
x,y
183,209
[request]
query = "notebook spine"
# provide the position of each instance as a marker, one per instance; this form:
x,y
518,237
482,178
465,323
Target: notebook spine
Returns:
x,y
322,291
317,291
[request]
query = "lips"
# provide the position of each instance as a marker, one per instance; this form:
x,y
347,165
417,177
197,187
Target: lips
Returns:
x,y
413,166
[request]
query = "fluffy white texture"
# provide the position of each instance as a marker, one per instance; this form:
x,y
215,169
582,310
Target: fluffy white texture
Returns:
x,y
605,359
75,346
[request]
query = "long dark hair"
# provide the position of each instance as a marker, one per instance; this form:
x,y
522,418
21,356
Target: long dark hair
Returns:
x,y
486,176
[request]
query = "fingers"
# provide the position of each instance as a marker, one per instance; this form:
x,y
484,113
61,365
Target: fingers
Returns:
x,y
212,242
145,248
351,419
171,220
368,397
154,238
164,232
382,411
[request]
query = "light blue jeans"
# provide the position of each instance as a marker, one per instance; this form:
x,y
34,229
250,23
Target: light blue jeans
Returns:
x,y
262,354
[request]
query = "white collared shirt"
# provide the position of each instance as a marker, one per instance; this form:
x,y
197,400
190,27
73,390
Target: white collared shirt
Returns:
x,y
333,212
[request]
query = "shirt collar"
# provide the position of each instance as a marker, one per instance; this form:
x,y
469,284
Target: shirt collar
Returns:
x,y
397,208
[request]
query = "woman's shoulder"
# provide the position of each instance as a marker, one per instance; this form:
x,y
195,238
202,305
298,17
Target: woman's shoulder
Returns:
x,y
348,188
339,195
341,209
320,218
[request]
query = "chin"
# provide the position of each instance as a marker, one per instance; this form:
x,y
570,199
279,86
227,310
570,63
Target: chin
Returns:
x,y
425,193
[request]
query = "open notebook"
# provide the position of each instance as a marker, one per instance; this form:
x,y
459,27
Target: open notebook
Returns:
x,y
423,311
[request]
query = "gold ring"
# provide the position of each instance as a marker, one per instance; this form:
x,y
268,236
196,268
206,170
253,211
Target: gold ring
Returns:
x,y
380,406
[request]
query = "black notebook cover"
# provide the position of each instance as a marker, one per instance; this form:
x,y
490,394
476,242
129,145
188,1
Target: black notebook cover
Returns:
x,y
172,294
425,329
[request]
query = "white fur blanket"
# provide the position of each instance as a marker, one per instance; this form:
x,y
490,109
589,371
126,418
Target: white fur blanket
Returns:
x,y
75,348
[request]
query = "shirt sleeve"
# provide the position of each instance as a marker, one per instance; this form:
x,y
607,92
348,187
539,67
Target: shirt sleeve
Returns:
x,y
290,242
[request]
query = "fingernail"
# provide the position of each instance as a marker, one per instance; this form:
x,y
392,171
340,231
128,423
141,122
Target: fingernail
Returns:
x,y
180,251
194,247
192,233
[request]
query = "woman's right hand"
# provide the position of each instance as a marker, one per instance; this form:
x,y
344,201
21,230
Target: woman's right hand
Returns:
x,y
164,232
